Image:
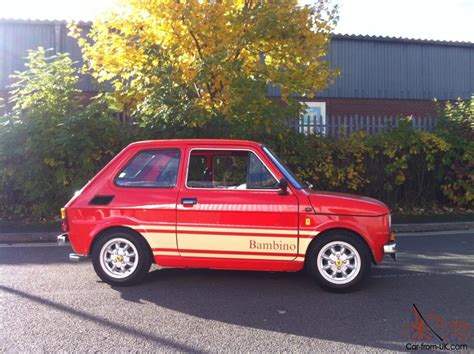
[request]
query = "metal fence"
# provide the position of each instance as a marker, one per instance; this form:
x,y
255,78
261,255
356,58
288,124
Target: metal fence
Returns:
x,y
341,126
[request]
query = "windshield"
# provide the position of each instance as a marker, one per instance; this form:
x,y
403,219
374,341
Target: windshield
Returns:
x,y
290,176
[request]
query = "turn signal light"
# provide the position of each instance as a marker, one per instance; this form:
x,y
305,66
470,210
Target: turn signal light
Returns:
x,y
391,237
64,225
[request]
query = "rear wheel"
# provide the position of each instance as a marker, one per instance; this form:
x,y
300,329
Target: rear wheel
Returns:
x,y
121,257
339,261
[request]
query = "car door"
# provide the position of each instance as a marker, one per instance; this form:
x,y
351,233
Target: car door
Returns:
x,y
230,207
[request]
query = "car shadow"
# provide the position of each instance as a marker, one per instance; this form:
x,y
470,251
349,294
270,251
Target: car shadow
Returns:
x,y
292,303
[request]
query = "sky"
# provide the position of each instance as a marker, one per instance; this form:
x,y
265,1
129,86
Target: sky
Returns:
x,y
425,19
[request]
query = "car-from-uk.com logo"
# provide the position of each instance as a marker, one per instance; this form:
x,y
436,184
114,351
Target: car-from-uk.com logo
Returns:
x,y
433,332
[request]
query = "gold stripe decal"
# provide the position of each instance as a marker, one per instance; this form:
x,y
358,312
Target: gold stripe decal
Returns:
x,y
234,256
165,253
292,232
161,239
244,208
228,238
153,227
238,230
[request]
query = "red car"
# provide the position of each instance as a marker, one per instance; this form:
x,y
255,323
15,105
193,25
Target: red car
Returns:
x,y
221,204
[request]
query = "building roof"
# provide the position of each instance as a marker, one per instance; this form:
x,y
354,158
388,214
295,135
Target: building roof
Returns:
x,y
401,40
35,21
362,37
373,67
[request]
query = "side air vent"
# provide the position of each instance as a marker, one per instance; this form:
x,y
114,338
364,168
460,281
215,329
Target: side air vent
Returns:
x,y
101,199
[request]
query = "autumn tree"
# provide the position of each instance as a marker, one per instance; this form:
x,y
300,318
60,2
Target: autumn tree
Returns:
x,y
187,63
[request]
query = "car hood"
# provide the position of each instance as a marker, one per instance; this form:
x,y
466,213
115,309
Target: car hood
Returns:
x,y
345,204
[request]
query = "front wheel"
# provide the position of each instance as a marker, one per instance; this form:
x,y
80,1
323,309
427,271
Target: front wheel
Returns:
x,y
121,257
339,261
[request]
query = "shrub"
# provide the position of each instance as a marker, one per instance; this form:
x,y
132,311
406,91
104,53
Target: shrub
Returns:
x,y
406,165
402,166
50,145
456,125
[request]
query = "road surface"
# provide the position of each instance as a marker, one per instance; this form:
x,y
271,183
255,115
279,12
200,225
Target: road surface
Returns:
x,y
48,303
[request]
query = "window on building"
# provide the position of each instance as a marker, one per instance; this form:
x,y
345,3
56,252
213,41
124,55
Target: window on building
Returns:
x,y
228,169
151,168
313,120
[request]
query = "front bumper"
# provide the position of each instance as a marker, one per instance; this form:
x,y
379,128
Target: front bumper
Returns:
x,y
391,249
63,240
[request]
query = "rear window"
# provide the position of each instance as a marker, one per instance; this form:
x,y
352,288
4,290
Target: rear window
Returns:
x,y
151,168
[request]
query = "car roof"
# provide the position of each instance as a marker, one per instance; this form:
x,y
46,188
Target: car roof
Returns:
x,y
180,142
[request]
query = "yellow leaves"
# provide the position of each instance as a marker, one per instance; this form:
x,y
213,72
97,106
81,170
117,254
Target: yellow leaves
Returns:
x,y
74,30
400,178
96,156
51,162
211,46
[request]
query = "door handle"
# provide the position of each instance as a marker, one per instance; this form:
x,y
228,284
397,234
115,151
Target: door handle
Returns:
x,y
189,201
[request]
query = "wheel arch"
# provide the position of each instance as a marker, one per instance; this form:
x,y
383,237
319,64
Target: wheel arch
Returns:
x,y
335,229
119,228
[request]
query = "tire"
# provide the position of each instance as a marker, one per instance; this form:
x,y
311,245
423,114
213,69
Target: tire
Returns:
x,y
121,257
337,269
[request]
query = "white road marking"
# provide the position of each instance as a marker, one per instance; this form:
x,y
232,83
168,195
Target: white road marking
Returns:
x,y
36,244
434,233
404,275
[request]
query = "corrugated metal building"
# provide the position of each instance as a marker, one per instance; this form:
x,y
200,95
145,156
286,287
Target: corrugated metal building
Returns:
x,y
18,36
396,76
379,75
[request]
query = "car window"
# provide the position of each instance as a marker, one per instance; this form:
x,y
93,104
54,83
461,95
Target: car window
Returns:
x,y
259,177
283,169
228,169
199,175
151,168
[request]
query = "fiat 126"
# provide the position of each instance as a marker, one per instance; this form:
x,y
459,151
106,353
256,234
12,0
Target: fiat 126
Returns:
x,y
221,204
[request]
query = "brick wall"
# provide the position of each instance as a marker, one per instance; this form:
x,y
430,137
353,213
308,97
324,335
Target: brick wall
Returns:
x,y
382,107
360,106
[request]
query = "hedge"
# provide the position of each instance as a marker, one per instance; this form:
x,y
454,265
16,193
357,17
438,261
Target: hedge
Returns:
x,y
51,144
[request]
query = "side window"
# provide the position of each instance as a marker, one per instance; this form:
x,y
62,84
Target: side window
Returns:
x,y
199,175
151,168
259,177
228,169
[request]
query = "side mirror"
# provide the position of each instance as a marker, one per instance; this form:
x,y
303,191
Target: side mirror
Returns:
x,y
283,186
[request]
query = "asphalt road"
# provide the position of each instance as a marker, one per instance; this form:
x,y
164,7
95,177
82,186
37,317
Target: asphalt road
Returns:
x,y
48,304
